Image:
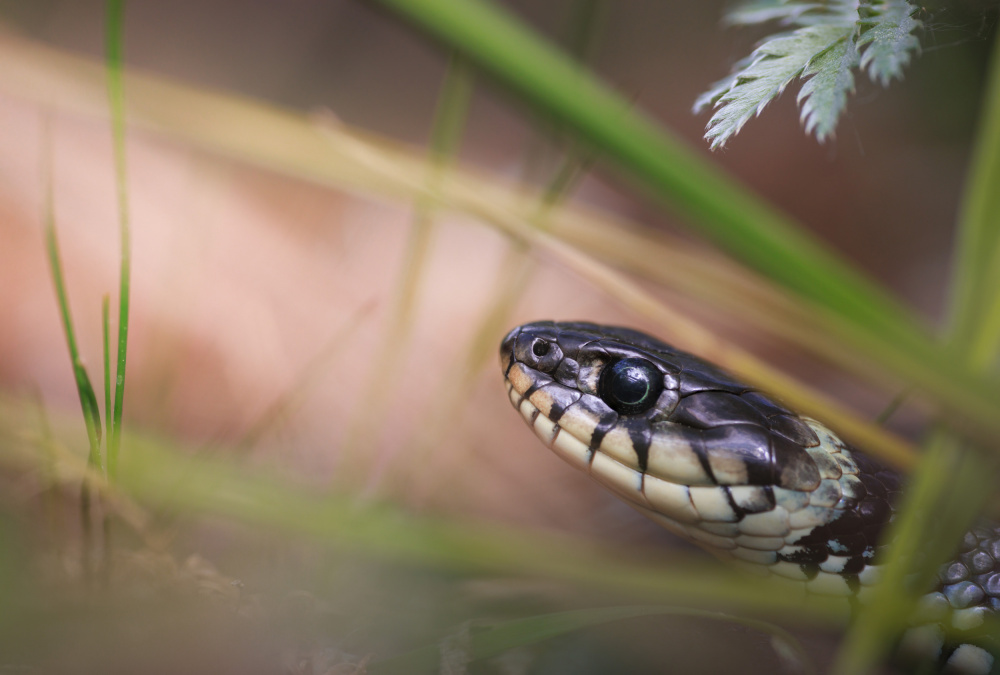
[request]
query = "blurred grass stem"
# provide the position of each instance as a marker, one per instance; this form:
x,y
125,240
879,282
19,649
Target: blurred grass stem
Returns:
x,y
114,48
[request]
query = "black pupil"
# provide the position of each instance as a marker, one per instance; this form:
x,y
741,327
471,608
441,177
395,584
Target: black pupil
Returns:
x,y
631,386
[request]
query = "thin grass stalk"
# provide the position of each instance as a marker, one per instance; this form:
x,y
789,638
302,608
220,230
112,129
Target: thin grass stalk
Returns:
x,y
84,388
114,48
983,351
106,343
586,20
85,391
516,271
975,318
448,127
974,288
318,367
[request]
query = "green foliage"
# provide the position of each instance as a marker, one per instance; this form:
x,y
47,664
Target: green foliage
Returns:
x,y
713,204
114,49
829,41
84,388
492,641
890,41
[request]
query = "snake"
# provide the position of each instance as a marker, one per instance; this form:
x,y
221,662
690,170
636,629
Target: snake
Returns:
x,y
727,467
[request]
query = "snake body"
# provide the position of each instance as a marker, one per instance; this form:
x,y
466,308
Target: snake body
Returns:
x,y
719,463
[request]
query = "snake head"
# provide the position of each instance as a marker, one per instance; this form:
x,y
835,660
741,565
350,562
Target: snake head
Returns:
x,y
653,408
704,455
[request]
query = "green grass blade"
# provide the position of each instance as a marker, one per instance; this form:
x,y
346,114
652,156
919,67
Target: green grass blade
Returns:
x,y
490,642
84,388
986,344
947,491
975,288
106,342
114,46
453,109
734,218
951,483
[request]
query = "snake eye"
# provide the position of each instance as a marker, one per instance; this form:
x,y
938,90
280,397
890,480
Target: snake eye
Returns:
x,y
540,348
630,386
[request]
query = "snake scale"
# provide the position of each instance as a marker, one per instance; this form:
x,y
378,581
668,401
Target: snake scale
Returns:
x,y
721,464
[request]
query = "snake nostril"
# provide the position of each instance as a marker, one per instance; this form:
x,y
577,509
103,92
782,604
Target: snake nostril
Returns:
x,y
540,348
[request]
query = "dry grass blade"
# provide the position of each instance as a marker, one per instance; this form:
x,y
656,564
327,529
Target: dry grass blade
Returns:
x,y
351,160
453,105
313,150
680,330
156,476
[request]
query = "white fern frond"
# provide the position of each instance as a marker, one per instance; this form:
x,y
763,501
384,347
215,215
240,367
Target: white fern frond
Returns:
x,y
823,96
828,41
772,66
888,44
762,11
720,88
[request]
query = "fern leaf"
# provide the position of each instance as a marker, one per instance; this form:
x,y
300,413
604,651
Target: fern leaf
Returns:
x,y
888,44
823,96
762,11
719,89
772,66
828,40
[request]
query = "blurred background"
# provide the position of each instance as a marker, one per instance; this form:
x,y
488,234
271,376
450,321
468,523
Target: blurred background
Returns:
x,y
260,298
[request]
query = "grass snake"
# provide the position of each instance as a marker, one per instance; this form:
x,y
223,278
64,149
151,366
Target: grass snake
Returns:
x,y
719,463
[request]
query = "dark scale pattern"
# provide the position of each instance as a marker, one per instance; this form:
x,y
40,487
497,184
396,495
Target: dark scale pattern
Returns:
x,y
855,534
973,579
719,416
